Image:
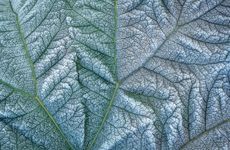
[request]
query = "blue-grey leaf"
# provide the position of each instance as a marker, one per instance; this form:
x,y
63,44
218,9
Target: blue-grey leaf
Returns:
x,y
114,74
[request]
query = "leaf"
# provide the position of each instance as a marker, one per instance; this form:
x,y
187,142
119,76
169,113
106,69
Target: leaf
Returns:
x,y
114,74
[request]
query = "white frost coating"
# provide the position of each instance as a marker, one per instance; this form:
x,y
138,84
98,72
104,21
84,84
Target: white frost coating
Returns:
x,y
122,121
124,75
145,83
95,65
16,4
69,20
57,75
193,7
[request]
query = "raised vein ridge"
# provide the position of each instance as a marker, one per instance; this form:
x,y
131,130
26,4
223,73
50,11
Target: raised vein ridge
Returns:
x,y
34,96
117,84
205,132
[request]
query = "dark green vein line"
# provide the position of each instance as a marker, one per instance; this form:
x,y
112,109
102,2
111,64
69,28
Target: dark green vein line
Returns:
x,y
115,37
54,122
117,85
47,47
199,17
205,133
105,117
150,57
49,11
40,103
167,38
22,92
87,20
25,48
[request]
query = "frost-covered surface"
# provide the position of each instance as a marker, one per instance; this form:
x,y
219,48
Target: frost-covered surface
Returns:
x,y
114,74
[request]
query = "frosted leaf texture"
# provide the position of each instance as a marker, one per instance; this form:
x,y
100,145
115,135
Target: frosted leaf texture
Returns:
x,y
114,74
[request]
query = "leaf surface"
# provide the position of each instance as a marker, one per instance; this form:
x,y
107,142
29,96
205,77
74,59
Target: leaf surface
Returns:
x,y
114,74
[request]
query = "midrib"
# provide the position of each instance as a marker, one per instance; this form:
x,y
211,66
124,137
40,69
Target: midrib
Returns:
x,y
119,82
116,85
105,116
32,68
25,48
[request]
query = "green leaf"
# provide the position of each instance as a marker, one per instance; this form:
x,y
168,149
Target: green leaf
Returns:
x,y
114,74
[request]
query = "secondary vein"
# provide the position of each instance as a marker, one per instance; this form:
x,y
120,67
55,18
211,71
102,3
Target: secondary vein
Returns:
x,y
105,116
25,48
29,59
205,132
54,122
117,85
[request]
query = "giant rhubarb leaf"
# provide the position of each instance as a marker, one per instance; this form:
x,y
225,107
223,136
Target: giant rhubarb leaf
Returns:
x,y
114,74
